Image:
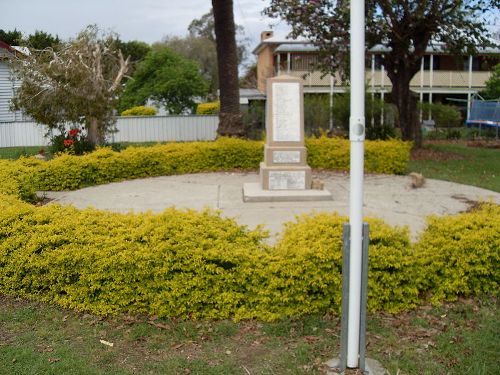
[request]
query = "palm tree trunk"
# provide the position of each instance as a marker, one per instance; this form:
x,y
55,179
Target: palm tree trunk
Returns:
x,y
230,119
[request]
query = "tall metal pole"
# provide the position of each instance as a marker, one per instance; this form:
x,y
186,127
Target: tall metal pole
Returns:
x,y
357,137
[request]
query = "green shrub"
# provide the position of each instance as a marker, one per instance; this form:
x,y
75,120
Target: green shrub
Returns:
x,y
178,263
140,111
73,142
460,255
200,265
312,248
210,108
390,156
17,178
445,116
68,172
104,165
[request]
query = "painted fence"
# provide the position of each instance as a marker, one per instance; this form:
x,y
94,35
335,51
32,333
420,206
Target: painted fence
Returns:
x,y
129,129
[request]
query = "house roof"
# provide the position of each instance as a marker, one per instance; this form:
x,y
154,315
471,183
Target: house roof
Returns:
x,y
6,49
305,45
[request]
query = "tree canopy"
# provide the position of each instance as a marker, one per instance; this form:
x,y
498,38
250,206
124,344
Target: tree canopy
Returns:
x,y
167,79
13,38
39,40
200,45
492,90
405,27
78,83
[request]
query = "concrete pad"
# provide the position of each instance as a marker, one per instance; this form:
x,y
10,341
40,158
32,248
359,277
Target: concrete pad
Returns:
x,y
253,192
386,197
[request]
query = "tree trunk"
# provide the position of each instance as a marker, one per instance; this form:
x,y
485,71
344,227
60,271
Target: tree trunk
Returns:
x,y
230,118
406,102
93,135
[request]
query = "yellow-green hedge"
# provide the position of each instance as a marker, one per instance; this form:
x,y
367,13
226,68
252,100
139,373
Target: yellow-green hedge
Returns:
x,y
390,156
104,165
210,108
140,111
199,265
460,255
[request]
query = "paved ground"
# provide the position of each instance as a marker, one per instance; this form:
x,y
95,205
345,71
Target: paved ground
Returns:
x,y
386,196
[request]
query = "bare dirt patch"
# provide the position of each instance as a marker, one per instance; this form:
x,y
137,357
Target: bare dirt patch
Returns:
x,y
434,155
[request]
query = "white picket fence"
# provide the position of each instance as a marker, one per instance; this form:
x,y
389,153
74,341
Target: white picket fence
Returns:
x,y
129,129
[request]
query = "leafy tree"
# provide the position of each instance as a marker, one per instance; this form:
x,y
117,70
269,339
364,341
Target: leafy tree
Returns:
x,y
249,79
134,50
203,27
166,78
200,45
406,27
41,40
78,83
201,50
14,37
230,118
492,90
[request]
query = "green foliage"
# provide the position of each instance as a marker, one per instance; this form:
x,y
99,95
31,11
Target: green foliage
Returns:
x,y
133,49
210,108
459,255
140,111
492,90
200,265
178,263
380,156
58,88
313,248
374,107
104,165
13,37
72,142
445,116
317,115
166,78
41,40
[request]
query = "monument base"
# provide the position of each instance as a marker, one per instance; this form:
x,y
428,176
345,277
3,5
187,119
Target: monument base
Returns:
x,y
253,192
285,177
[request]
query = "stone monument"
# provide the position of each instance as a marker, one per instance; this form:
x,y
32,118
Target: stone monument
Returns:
x,y
284,173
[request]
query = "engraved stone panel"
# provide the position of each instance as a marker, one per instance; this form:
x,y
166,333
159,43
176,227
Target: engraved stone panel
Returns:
x,y
287,180
286,157
286,112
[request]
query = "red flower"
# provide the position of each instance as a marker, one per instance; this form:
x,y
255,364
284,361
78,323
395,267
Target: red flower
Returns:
x,y
68,142
73,132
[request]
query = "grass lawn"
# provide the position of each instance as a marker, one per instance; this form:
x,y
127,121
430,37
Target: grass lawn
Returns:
x,y
17,152
475,166
458,338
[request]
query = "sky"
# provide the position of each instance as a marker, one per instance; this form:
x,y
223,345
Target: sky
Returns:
x,y
145,20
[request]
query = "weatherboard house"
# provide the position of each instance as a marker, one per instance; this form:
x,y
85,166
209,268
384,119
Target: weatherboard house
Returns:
x,y
8,84
442,76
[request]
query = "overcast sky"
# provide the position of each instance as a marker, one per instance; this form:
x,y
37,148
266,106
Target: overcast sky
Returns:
x,y
146,20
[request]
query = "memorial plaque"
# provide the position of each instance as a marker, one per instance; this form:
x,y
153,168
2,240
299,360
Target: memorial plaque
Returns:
x,y
286,157
286,112
287,180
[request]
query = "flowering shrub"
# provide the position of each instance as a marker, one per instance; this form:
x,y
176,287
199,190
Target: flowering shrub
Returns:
x,y
72,142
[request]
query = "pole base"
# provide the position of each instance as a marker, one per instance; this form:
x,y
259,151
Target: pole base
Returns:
x,y
372,367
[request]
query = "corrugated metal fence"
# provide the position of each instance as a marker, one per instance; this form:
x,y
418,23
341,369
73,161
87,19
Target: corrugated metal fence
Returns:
x,y
130,129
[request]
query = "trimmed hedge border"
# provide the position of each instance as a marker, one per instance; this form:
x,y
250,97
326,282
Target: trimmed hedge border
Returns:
x,y
104,165
199,265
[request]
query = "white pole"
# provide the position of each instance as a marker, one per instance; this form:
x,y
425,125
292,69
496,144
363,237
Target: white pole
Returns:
x,y
357,137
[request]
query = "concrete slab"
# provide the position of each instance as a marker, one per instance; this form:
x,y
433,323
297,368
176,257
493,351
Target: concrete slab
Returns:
x,y
253,192
385,196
